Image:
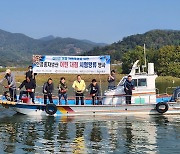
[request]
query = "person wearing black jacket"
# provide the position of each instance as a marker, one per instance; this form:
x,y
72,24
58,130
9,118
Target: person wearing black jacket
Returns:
x,y
30,86
128,87
94,91
30,73
48,88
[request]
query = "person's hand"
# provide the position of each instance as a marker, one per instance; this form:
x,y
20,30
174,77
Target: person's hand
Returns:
x,y
63,91
109,77
7,86
18,88
32,90
93,94
86,90
127,89
45,91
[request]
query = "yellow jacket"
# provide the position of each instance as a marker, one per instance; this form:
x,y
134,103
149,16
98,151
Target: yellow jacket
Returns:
x,y
79,86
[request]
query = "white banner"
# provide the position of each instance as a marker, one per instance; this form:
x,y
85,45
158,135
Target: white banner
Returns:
x,y
71,64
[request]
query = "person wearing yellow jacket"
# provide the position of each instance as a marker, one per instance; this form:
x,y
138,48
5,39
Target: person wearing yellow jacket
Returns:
x,y
79,86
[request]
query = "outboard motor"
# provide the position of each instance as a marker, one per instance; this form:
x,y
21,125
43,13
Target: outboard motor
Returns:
x,y
176,95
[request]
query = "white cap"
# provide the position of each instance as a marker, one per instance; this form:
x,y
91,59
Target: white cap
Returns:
x,y
8,71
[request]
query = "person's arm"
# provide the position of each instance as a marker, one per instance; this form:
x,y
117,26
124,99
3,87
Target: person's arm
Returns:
x,y
84,86
58,87
34,85
132,84
13,82
52,87
66,86
98,91
88,88
22,85
44,88
74,85
108,79
112,77
125,85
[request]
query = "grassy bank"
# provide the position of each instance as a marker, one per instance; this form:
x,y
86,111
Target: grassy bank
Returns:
x,y
167,79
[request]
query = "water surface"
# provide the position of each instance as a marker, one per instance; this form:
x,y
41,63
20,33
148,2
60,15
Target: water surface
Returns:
x,y
88,134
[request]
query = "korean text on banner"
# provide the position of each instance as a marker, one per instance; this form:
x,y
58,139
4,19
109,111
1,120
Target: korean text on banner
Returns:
x,y
71,64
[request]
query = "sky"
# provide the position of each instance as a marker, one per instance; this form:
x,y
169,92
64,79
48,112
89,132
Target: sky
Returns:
x,y
103,21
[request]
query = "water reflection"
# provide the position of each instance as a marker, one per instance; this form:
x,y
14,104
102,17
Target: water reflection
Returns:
x,y
23,134
128,135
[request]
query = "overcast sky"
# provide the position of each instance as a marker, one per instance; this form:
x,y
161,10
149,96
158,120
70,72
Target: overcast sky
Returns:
x,y
97,20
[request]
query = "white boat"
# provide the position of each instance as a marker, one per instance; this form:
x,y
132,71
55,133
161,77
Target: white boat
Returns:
x,y
144,100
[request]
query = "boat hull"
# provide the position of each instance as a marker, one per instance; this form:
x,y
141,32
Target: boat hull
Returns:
x,y
68,110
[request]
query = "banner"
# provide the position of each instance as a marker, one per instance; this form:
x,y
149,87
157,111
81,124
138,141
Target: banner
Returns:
x,y
71,64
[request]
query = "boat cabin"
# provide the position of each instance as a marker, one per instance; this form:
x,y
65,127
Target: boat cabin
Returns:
x,y
144,92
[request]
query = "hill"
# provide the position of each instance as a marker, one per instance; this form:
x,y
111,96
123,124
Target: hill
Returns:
x,y
17,49
154,39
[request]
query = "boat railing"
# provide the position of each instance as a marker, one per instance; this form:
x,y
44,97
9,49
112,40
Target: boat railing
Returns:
x,y
100,99
121,98
168,88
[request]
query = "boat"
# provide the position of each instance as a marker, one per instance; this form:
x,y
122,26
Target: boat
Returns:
x,y
144,100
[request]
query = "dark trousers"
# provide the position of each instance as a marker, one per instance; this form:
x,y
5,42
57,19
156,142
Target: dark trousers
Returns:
x,y
12,92
94,98
128,96
81,96
49,96
65,97
31,94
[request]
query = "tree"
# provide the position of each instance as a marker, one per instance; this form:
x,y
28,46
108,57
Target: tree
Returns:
x,y
166,59
168,62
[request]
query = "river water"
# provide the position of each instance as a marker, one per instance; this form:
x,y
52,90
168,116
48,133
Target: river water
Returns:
x,y
88,134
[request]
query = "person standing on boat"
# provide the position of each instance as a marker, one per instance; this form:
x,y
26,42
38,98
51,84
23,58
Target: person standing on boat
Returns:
x,y
30,86
48,88
79,86
112,80
94,91
62,92
11,84
30,73
128,87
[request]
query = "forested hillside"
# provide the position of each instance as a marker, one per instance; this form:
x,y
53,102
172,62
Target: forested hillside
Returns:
x,y
162,47
154,39
17,49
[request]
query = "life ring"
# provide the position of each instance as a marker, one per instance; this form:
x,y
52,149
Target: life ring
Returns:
x,y
51,109
159,109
